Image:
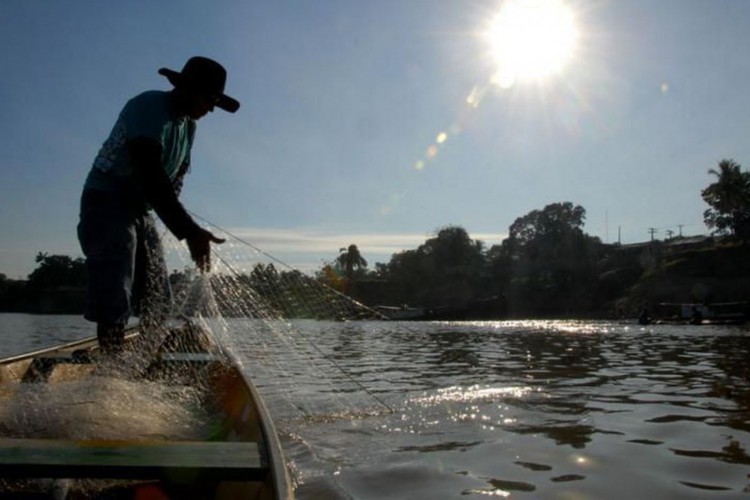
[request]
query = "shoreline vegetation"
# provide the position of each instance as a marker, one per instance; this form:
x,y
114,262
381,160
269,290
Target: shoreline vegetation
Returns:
x,y
547,267
452,277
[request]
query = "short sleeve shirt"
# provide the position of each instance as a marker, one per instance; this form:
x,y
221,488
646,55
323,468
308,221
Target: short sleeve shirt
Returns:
x,y
147,115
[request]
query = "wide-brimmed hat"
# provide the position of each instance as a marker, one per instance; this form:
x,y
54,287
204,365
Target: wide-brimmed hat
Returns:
x,y
205,76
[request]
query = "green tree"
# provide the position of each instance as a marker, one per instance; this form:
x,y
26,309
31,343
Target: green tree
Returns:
x,y
445,269
729,199
330,277
457,265
407,272
57,270
350,260
547,261
549,224
264,280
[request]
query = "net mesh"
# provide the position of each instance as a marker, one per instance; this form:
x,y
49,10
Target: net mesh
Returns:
x,y
251,309
253,305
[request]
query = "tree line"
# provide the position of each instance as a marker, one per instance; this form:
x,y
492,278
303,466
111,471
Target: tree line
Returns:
x,y
56,285
547,266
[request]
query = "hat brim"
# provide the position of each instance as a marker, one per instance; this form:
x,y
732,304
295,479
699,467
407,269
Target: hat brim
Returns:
x,y
224,102
227,103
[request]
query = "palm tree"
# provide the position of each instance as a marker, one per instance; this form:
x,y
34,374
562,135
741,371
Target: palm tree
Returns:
x,y
729,199
349,259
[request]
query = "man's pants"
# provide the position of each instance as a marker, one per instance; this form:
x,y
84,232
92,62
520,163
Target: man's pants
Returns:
x,y
127,273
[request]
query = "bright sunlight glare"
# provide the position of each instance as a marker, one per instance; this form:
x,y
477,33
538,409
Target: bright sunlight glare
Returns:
x,y
531,39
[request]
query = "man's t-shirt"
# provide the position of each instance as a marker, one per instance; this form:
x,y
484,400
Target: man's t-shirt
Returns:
x,y
149,115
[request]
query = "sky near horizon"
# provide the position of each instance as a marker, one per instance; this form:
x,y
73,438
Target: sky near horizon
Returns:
x,y
376,123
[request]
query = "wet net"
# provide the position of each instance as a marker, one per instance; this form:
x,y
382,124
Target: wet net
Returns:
x,y
265,315
252,310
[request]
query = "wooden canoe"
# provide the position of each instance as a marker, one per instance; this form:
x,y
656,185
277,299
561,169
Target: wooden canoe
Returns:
x,y
241,459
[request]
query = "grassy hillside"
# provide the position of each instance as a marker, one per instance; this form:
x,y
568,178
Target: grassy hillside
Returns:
x,y
720,273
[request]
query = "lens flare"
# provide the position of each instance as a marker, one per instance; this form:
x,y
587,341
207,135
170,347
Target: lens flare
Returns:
x,y
528,40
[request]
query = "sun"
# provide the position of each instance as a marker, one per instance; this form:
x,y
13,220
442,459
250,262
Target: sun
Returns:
x,y
531,39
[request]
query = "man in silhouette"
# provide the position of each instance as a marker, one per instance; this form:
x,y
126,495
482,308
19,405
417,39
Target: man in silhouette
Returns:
x,y
141,167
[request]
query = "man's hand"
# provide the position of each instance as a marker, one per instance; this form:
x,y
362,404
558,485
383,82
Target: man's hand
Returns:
x,y
199,243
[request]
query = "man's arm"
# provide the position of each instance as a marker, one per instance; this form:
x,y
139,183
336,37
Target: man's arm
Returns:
x,y
157,189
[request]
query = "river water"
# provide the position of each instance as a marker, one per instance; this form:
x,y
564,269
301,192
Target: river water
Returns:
x,y
511,409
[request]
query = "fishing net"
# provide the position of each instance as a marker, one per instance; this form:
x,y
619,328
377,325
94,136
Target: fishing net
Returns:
x,y
265,314
252,309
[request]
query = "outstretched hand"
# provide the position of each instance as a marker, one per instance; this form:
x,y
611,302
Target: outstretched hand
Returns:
x,y
199,244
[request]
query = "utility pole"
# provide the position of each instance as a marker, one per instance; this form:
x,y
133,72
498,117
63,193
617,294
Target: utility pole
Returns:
x,y
680,226
606,226
652,231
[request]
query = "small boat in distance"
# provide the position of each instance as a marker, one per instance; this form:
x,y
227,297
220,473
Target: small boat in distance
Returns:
x,y
715,313
402,313
488,308
239,457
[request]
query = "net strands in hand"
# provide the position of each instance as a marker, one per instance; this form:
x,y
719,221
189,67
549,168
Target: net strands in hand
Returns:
x,y
266,319
246,284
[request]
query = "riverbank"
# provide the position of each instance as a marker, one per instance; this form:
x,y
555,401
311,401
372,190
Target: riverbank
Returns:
x,y
717,274
628,279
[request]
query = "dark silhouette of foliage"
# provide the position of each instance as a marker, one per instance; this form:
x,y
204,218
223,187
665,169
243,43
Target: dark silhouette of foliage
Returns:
x,y
350,260
446,269
548,225
13,295
548,264
57,271
729,199
56,286
546,267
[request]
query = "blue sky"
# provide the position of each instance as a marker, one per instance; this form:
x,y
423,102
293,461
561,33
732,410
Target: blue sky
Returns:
x,y
341,101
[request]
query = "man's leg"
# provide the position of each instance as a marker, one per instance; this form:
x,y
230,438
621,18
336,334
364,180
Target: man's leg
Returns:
x,y
108,240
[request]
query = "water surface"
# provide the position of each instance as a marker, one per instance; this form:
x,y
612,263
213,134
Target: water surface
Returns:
x,y
525,409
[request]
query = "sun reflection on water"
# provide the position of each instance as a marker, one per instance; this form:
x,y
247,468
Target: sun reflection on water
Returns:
x,y
470,394
549,325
